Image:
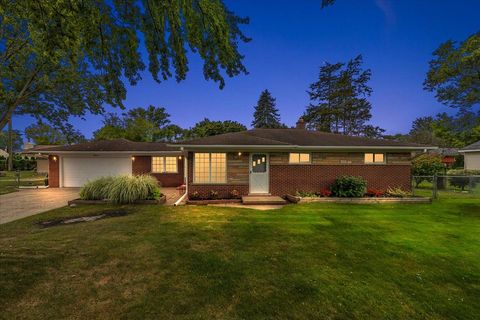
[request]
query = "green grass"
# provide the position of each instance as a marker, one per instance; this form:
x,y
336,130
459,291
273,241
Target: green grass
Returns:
x,y
8,180
313,261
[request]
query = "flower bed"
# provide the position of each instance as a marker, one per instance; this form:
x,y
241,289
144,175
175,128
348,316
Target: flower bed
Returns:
x,y
213,198
213,201
296,199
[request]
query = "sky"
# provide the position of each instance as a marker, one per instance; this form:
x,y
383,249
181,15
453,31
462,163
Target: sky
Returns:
x,y
292,39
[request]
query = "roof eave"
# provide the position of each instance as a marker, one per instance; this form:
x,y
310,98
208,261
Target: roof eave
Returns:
x,y
138,152
471,150
286,147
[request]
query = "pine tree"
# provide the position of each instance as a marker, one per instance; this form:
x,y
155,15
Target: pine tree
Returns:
x,y
339,100
266,114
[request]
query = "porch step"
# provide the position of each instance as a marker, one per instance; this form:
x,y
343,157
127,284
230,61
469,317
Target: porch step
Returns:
x,y
260,199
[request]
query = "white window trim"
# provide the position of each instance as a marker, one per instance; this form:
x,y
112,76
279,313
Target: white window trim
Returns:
x,y
210,169
300,162
164,169
375,162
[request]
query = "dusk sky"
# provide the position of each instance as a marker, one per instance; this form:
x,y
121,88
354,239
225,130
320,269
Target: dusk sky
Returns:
x,y
292,39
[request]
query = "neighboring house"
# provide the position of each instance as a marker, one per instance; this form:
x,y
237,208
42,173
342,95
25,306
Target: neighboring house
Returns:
x,y
31,150
471,155
74,165
448,155
259,161
281,161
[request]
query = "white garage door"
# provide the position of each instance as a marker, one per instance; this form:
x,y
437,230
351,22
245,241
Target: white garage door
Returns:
x,y
77,171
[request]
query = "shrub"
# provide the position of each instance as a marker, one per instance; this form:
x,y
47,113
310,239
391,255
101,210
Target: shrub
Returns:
x,y
372,192
97,189
349,186
213,194
234,194
128,189
194,195
122,189
325,193
426,165
396,192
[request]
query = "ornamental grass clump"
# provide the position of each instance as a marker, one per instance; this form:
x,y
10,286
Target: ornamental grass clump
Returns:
x,y
128,189
97,189
349,187
122,189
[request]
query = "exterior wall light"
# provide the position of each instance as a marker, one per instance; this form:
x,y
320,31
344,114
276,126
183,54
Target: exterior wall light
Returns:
x,y
239,154
133,158
54,158
179,157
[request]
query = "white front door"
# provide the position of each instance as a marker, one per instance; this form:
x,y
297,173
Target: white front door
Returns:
x,y
259,173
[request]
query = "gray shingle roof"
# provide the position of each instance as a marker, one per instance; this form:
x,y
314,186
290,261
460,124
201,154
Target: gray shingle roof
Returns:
x,y
117,145
473,146
294,137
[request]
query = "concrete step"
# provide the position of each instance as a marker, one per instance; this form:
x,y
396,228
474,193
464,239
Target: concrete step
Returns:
x,y
260,199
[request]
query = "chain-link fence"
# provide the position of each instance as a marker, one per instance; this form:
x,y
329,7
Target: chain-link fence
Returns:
x,y
446,186
13,180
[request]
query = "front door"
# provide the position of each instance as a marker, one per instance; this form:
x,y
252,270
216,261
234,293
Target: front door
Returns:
x,y
259,173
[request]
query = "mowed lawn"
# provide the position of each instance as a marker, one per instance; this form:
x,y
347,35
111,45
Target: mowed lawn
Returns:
x,y
316,261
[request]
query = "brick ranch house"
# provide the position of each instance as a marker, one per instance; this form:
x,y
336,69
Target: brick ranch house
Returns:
x,y
258,161
281,161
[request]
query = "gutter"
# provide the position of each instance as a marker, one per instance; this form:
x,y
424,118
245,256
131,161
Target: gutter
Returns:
x,y
473,150
139,153
290,147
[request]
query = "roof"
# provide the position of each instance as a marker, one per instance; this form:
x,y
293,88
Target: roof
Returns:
x,y
446,152
116,145
471,147
287,138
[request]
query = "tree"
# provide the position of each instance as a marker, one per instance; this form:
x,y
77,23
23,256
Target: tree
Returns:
x,y
42,133
64,58
454,73
424,166
16,137
139,124
266,114
339,100
207,128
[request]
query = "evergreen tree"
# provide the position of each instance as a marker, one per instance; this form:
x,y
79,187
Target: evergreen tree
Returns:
x,y
339,100
266,114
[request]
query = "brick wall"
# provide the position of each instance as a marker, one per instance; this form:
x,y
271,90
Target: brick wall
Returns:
x,y
287,178
53,171
290,178
143,165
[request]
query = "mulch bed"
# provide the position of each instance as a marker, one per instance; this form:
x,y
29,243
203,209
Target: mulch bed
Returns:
x,y
162,200
213,201
79,219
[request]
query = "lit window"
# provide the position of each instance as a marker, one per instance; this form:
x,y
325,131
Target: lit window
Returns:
x,y
299,158
374,158
210,168
164,164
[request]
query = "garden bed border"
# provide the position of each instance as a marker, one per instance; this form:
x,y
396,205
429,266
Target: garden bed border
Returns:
x,y
213,201
366,200
79,201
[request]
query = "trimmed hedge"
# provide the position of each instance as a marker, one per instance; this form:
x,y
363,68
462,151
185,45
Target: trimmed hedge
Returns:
x,y
349,187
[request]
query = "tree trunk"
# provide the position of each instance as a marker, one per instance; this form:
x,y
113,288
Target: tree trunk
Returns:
x,y
10,145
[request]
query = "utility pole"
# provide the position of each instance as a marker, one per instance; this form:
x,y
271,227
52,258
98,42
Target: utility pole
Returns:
x,y
10,145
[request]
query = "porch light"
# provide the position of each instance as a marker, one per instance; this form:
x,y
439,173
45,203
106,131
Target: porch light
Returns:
x,y
239,154
133,158
179,157
54,158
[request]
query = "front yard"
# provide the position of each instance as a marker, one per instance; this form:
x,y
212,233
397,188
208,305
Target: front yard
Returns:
x,y
9,180
301,262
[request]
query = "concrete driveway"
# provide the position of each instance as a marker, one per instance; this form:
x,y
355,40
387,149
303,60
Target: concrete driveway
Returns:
x,y
27,202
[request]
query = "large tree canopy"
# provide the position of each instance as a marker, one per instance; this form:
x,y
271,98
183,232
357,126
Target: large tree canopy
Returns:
x,y
42,133
207,128
63,58
454,73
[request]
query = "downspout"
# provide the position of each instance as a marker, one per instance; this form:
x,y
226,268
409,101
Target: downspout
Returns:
x,y
185,170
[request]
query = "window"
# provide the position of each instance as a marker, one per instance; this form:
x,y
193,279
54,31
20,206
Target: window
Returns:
x,y
374,158
210,168
164,164
299,158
